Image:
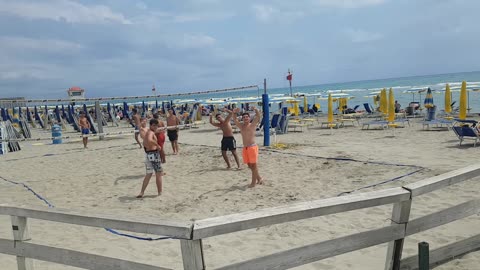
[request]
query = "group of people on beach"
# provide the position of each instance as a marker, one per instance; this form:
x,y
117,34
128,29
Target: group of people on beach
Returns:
x,y
153,139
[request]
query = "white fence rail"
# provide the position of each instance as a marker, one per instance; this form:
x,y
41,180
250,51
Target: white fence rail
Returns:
x,y
191,234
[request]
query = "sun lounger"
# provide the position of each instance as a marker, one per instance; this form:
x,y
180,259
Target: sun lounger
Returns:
x,y
382,123
466,132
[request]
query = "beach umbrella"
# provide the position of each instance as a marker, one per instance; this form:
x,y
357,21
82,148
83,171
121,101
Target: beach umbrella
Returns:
x,y
143,107
4,114
383,101
29,117
330,109
428,102
448,99
305,103
391,106
57,114
156,104
463,102
125,110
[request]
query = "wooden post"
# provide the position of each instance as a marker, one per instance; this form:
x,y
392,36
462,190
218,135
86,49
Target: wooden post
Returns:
x,y
400,215
423,256
99,114
20,234
192,254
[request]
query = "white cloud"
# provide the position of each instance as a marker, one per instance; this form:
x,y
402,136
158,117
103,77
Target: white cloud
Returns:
x,y
62,10
348,3
45,45
360,36
197,41
266,13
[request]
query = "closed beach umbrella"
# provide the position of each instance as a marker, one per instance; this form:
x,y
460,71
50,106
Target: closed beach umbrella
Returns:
x,y
29,117
448,99
156,104
143,107
391,106
428,102
305,104
383,101
330,109
463,102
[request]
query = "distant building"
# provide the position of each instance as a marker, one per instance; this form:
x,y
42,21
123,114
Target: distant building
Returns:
x,y
76,92
9,103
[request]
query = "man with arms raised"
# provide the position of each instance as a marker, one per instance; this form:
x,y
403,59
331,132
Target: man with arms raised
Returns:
x,y
250,148
228,141
152,160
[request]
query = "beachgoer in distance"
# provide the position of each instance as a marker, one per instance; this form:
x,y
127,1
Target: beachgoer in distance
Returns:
x,y
397,106
172,130
250,148
152,159
228,141
136,121
85,127
160,133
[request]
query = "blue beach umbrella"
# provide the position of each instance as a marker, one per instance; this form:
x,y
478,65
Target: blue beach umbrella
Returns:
x,y
108,107
29,117
4,115
156,104
143,107
57,114
85,108
8,116
428,103
125,109
19,112
35,111
163,106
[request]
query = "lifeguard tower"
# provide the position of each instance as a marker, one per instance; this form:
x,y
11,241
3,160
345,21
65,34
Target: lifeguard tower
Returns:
x,y
76,92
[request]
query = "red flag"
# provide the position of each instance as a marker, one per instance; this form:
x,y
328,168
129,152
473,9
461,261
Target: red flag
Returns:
x,y
289,76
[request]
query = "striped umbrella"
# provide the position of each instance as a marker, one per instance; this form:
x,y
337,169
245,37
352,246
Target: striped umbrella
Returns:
x,y
428,102
463,102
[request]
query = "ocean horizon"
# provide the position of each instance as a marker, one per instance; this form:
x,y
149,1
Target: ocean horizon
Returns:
x,y
360,91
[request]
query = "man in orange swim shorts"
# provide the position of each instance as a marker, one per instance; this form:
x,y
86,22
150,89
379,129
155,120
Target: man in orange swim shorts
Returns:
x,y
250,148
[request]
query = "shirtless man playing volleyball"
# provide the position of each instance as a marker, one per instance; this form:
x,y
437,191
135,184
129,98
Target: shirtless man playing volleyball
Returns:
x,y
250,148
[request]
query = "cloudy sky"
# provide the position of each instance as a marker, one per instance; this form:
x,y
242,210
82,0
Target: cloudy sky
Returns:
x,y
122,47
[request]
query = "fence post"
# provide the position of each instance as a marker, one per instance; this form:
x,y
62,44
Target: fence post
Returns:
x,y
400,215
192,254
20,234
423,256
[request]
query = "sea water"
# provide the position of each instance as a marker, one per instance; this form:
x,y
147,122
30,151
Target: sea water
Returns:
x,y
360,90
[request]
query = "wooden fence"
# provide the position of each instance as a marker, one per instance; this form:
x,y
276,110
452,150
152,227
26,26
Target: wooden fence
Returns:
x,y
190,234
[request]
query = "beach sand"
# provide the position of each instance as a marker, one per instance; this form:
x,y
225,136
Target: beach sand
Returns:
x,y
106,178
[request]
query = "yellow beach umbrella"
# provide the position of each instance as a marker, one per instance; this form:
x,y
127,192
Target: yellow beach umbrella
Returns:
x,y
391,106
305,104
448,99
463,102
383,101
330,109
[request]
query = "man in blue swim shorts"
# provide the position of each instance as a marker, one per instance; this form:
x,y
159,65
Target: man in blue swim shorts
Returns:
x,y
85,127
